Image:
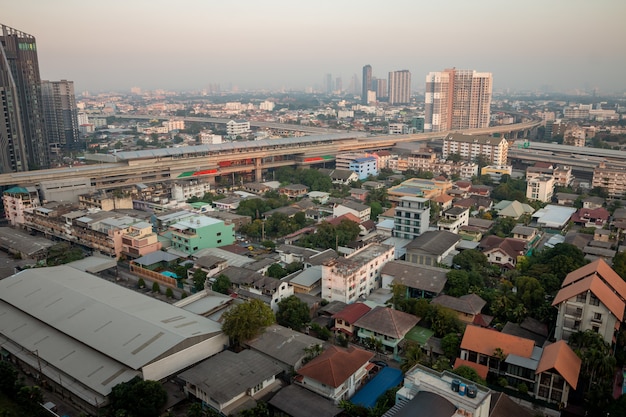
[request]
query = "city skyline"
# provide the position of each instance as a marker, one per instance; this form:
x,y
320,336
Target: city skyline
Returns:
x,y
556,46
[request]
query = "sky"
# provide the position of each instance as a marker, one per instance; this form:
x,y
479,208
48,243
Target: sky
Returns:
x,y
113,45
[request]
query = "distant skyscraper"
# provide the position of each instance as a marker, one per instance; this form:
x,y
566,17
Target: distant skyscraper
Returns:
x,y
381,88
367,83
60,114
22,138
399,87
457,99
338,84
328,83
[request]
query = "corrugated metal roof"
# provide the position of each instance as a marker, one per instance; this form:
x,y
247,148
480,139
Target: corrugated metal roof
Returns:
x,y
131,328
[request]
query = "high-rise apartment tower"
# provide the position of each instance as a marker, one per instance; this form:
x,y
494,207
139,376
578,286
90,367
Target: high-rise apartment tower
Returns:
x,y
399,87
23,143
60,114
457,99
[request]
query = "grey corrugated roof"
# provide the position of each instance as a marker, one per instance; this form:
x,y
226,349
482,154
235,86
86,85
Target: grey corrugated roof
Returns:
x,y
435,242
283,344
131,328
23,242
423,277
300,402
228,375
154,257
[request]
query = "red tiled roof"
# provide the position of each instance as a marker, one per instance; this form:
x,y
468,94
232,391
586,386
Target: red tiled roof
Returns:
x,y
387,321
481,370
352,312
561,358
347,216
486,341
335,365
510,246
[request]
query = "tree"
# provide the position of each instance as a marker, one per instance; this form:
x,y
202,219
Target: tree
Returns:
x,y
413,354
450,345
63,253
141,283
471,260
199,279
221,284
138,398
276,271
155,287
457,283
8,379
247,320
169,293
619,264
293,313
466,372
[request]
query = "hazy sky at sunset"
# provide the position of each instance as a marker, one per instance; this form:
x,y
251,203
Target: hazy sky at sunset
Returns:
x,y
188,44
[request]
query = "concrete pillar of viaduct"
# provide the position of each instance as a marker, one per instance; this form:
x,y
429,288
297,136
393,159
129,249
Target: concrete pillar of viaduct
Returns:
x,y
258,169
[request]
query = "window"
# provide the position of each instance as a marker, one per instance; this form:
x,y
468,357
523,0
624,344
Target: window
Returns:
x,y
581,298
597,316
594,301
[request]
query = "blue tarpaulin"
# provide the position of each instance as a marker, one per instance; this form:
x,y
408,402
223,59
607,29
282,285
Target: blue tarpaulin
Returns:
x,y
385,379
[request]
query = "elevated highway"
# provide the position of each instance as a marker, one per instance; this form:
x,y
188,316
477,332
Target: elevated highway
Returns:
x,y
208,161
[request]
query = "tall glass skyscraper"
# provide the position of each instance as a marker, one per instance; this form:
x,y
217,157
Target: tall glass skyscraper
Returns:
x,y
23,143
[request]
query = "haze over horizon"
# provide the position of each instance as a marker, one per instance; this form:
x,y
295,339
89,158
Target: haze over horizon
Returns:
x,y
112,46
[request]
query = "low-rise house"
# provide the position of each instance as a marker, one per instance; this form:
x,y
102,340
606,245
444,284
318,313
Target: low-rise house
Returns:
x,y
244,377
252,285
467,307
513,209
550,373
591,298
293,190
319,196
359,210
443,200
344,320
503,252
593,202
432,248
139,240
308,281
256,188
337,373
286,347
386,325
229,203
17,199
341,176
359,194
421,281
453,219
566,199
475,203
529,234
596,217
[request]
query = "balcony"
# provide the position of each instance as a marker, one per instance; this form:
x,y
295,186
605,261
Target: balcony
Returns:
x,y
574,312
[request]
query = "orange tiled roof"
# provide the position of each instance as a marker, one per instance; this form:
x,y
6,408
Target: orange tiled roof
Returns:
x,y
486,341
598,287
561,358
348,216
481,370
602,269
335,365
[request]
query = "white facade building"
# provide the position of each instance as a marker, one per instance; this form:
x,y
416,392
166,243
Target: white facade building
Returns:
x,y
237,127
358,274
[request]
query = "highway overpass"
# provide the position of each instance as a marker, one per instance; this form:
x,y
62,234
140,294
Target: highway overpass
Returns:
x,y
209,161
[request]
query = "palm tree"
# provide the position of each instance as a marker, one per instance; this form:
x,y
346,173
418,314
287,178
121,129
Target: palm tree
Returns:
x,y
413,355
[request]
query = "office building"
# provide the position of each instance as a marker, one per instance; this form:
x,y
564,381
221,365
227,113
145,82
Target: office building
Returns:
x,y
60,114
457,99
328,83
399,87
22,136
367,83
